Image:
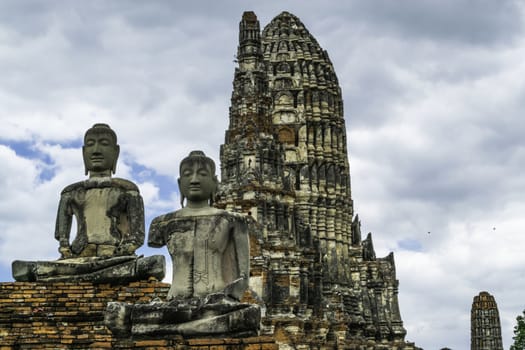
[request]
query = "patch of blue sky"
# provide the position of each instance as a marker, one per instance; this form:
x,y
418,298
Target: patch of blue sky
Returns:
x,y
5,273
410,244
31,150
46,173
166,184
73,144
27,149
167,187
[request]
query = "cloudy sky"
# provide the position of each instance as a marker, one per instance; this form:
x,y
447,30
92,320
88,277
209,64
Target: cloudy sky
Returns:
x,y
434,95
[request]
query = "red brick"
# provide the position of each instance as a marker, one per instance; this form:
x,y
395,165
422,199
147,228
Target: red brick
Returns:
x,y
150,342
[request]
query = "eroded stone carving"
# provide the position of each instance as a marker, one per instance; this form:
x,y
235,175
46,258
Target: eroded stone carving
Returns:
x,y
312,263
110,224
209,248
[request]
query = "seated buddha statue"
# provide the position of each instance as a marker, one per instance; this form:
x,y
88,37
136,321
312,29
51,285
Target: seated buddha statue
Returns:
x,y
210,252
109,213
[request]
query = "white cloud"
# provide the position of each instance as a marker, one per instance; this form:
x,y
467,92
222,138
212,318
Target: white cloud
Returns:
x,y
21,221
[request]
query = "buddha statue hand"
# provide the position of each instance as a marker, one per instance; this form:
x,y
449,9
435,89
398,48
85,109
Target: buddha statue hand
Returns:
x,y
215,298
65,252
126,249
236,288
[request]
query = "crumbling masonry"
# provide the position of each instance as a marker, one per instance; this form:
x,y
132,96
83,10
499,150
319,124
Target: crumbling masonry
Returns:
x,y
285,162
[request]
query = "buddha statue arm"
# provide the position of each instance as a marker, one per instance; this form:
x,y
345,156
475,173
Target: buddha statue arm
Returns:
x,y
156,236
134,238
242,249
63,225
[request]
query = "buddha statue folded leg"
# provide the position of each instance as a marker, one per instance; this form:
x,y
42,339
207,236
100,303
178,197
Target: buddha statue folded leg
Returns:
x,y
91,269
241,322
224,318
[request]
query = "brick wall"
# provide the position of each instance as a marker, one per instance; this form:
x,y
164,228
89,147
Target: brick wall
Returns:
x,y
70,316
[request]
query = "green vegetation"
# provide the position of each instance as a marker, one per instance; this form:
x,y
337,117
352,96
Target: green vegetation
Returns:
x,y
519,333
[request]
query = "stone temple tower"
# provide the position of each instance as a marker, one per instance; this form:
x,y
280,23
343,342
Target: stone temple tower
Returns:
x,y
485,325
284,162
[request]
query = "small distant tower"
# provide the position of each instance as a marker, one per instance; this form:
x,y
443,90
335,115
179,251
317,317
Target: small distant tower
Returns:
x,y
485,324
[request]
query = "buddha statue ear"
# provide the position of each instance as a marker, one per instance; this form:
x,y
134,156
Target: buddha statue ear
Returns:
x,y
86,171
114,165
215,189
182,197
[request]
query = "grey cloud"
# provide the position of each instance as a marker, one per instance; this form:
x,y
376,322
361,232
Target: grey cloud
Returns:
x,y
370,95
469,22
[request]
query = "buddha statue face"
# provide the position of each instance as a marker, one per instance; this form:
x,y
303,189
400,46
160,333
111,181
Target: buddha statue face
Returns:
x,y
100,150
197,182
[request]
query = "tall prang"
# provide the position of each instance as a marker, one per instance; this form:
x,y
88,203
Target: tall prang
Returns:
x,y
285,163
485,327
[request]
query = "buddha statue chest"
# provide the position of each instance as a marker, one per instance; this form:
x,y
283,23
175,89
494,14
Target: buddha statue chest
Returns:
x,y
97,204
198,246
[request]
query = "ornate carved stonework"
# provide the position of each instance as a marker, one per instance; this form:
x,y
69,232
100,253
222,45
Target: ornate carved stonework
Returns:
x,y
285,163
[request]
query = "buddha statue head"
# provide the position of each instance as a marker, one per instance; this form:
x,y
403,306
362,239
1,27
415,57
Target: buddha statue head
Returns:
x,y
197,182
100,151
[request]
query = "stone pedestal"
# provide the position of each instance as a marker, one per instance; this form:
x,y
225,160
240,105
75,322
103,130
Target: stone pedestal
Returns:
x,y
64,315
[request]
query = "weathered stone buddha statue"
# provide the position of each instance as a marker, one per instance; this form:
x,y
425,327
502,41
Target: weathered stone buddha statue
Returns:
x,y
109,213
210,251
